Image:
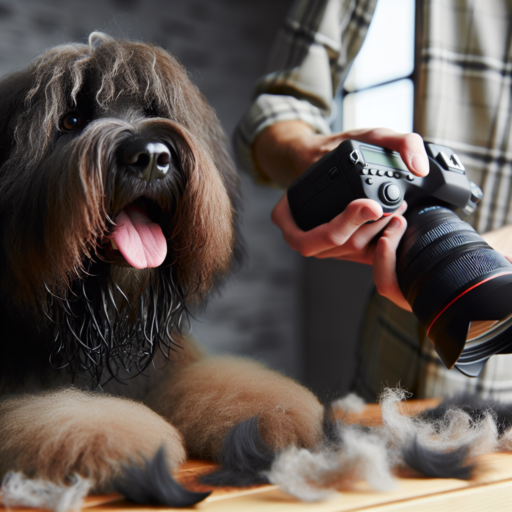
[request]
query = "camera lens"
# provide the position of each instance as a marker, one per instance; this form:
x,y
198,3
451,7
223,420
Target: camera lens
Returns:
x,y
459,288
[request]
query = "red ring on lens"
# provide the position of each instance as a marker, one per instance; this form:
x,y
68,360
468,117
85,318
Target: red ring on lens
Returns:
x,y
464,293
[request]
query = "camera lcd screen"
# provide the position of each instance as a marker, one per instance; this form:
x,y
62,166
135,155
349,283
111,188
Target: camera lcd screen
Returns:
x,y
372,156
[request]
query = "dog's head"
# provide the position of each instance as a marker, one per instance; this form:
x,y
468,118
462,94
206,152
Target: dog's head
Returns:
x,y
117,199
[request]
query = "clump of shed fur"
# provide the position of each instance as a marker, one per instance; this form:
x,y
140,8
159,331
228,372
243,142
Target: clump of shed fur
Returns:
x,y
441,446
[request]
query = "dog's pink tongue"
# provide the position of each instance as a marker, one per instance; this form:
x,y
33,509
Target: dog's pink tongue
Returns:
x,y
139,240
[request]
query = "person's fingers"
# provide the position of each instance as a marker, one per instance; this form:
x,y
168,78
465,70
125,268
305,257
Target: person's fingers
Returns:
x,y
409,145
384,265
359,246
355,215
324,237
366,234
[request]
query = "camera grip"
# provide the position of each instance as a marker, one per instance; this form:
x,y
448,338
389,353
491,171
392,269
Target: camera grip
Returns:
x,y
337,179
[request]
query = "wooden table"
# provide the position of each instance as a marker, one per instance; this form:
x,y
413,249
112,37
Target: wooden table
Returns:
x,y
491,490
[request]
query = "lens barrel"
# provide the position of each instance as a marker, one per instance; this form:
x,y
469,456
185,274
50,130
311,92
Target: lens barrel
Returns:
x,y
452,278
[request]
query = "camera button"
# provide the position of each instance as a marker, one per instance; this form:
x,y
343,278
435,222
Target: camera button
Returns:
x,y
390,194
371,171
364,171
389,174
410,177
380,173
397,175
369,181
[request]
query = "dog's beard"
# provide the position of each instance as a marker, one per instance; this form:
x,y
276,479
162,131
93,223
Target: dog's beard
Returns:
x,y
112,324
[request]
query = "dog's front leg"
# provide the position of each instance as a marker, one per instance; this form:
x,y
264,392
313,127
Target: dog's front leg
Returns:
x,y
56,434
206,399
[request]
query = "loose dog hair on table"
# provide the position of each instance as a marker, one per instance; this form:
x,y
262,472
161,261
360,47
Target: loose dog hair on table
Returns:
x,y
118,214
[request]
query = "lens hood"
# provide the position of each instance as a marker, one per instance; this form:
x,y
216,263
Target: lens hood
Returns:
x,y
454,280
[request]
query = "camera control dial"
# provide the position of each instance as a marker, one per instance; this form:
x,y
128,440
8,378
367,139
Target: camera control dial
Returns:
x,y
390,194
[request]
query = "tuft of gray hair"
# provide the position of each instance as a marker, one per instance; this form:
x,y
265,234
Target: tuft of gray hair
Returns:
x,y
349,403
19,491
360,454
455,430
297,472
97,38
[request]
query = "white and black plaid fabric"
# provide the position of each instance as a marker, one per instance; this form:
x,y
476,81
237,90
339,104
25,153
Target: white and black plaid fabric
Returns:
x,y
463,99
464,94
310,58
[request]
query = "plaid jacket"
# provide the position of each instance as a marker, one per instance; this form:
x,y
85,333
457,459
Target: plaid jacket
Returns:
x,y
463,99
463,96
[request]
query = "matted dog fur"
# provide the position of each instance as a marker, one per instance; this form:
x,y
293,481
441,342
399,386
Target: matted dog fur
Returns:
x,y
118,215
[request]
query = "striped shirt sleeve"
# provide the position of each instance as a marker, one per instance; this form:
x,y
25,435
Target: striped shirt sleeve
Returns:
x,y
310,58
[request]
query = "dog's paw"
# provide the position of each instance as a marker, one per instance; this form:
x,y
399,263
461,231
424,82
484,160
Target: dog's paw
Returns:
x,y
207,399
153,485
245,458
57,434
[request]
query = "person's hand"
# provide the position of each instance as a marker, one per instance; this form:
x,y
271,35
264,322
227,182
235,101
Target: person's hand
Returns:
x,y
347,236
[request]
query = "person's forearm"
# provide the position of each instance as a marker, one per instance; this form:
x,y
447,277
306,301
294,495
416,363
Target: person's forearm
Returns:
x,y
275,148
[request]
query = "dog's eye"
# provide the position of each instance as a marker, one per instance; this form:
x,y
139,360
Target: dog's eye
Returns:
x,y
71,121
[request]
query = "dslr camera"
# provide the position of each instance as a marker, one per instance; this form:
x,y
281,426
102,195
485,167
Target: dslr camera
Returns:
x,y
459,288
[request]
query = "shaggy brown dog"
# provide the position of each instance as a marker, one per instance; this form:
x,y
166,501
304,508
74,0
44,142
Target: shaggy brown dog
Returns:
x,y
117,214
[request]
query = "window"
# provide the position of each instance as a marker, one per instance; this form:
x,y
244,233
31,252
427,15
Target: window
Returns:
x,y
379,90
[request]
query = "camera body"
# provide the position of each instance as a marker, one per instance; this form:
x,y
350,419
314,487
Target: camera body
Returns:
x,y
459,288
356,170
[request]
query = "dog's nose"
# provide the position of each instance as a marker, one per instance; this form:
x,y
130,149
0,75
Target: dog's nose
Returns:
x,y
150,161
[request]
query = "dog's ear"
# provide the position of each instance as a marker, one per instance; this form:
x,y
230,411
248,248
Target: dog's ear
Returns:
x,y
98,38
